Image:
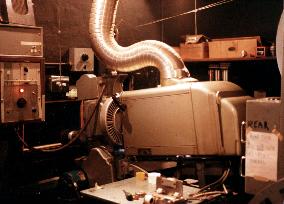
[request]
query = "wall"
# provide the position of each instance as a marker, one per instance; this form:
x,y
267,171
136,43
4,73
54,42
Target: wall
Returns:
x,y
238,18
71,17
68,16
65,23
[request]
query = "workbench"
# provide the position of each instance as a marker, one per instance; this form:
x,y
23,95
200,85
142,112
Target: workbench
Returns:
x,y
113,192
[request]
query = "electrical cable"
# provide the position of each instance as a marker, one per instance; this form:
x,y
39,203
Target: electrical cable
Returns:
x,y
188,12
59,41
74,138
207,196
206,193
124,24
195,18
139,168
221,180
162,25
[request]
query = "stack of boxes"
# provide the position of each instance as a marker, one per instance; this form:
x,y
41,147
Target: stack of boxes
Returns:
x,y
201,47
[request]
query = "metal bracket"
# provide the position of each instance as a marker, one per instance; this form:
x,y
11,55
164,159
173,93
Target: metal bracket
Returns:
x,y
241,166
243,132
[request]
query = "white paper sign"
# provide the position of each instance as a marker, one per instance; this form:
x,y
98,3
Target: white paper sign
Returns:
x,y
261,155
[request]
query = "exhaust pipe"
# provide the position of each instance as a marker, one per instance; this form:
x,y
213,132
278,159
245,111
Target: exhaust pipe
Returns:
x,y
137,56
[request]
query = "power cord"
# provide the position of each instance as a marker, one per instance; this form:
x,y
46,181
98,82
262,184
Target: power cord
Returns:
x,y
73,139
206,192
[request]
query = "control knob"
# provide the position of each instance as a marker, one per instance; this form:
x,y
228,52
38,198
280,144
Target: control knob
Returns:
x,y
84,57
21,103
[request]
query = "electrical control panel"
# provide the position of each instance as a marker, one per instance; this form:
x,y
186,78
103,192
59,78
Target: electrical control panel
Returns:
x,y
18,40
21,73
21,92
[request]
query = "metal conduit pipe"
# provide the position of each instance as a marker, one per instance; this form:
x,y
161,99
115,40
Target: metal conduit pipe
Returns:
x,y
137,56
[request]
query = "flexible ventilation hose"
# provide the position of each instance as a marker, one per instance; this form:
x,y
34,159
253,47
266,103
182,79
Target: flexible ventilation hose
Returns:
x,y
134,57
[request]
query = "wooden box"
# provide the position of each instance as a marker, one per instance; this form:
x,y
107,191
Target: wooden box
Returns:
x,y
233,47
194,51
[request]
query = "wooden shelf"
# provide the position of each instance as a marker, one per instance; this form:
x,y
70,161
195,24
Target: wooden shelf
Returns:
x,y
62,101
229,59
56,63
21,58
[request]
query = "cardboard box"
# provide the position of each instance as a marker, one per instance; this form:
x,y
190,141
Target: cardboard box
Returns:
x,y
234,47
194,50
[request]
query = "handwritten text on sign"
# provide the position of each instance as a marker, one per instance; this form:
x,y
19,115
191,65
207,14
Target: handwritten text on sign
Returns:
x,y
261,155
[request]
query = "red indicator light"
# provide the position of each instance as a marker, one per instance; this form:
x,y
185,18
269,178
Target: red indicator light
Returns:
x,y
22,90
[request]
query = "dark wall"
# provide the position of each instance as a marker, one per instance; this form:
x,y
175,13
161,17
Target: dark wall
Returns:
x,y
132,13
237,18
242,18
68,16
71,17
234,19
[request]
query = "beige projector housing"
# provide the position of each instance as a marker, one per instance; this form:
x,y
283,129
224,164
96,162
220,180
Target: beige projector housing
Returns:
x,y
199,118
